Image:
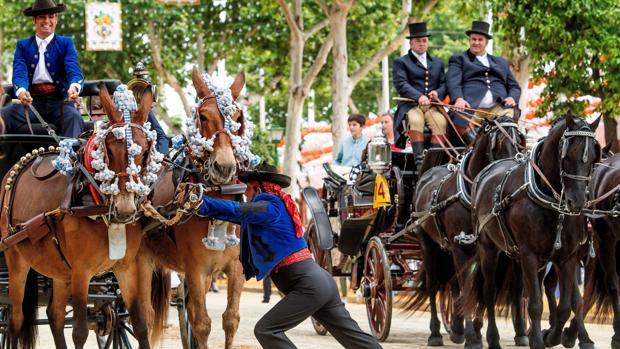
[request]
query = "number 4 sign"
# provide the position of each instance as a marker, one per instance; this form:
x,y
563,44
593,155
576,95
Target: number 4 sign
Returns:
x,y
382,192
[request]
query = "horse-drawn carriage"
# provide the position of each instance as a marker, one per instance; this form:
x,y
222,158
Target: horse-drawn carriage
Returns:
x,y
359,228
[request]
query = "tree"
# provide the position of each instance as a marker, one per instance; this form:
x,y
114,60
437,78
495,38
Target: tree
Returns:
x,y
574,46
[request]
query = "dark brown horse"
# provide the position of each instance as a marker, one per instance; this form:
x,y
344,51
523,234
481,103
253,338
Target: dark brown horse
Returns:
x,y
444,225
76,248
181,249
602,286
531,210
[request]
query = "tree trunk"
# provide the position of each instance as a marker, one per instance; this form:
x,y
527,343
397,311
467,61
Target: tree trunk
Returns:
x,y
341,90
521,69
200,47
161,70
611,132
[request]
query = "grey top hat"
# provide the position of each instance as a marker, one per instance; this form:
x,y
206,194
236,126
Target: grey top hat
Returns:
x,y
43,7
417,30
480,27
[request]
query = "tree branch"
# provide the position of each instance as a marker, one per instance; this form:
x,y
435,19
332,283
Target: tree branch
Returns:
x,y
317,27
323,6
290,20
354,109
200,46
319,62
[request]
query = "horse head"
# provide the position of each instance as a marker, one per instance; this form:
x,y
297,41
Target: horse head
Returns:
x,y
222,124
497,139
568,157
125,157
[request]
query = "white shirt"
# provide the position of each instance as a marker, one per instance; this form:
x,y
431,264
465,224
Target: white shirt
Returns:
x,y
421,58
41,74
487,100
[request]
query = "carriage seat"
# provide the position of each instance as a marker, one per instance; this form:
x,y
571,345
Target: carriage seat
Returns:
x,y
334,182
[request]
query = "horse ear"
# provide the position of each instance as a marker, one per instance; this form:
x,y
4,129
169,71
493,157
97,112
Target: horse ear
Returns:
x,y
108,105
570,122
607,149
199,84
594,124
237,85
145,107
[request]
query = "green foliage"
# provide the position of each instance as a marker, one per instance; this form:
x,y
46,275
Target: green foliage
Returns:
x,y
574,45
263,147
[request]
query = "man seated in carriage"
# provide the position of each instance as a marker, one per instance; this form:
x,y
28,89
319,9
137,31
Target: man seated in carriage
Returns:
x,y
46,73
478,80
420,78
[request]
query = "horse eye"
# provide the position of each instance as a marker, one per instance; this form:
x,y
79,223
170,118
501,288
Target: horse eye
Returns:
x,y
203,118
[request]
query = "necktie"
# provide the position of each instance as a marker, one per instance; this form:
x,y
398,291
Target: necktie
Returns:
x,y
42,48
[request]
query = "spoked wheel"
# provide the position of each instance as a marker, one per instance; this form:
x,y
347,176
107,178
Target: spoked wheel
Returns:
x,y
446,306
4,326
377,289
324,259
114,329
188,340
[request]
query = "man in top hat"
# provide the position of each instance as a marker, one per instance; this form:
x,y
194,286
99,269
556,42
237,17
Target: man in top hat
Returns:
x,y
45,73
272,244
481,81
419,77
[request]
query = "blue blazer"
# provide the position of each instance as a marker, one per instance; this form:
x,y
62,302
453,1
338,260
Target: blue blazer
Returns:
x,y
61,59
412,80
267,232
468,78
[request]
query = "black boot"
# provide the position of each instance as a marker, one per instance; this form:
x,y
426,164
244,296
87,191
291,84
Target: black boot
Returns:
x,y
418,149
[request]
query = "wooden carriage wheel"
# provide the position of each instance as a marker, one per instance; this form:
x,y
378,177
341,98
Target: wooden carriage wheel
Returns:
x,y
377,288
324,259
446,307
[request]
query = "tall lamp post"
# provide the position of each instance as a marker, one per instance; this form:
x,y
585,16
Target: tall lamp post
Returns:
x,y
276,135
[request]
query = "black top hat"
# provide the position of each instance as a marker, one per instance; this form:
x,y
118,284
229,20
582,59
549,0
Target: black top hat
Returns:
x,y
265,173
44,7
480,27
417,30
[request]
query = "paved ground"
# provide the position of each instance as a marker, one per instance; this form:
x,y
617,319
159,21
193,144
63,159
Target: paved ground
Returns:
x,y
407,331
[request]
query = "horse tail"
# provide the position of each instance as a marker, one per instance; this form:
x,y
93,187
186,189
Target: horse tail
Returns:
x,y
596,295
27,334
507,279
419,293
160,299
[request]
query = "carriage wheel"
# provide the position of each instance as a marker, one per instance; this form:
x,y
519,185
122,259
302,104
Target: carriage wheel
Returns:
x,y
446,306
116,327
4,326
323,258
187,339
377,289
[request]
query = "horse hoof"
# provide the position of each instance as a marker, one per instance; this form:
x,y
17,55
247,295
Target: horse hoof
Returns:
x,y
475,345
457,338
591,346
435,341
522,341
545,335
567,341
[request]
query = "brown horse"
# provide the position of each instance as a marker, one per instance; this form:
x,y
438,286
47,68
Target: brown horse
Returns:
x,y
531,210
75,248
445,230
181,248
602,286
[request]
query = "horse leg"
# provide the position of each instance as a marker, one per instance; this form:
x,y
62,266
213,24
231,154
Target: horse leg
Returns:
x,y
230,318
430,252
566,274
461,258
518,321
551,282
79,297
126,275
197,284
23,314
56,311
529,267
577,327
145,276
457,319
488,263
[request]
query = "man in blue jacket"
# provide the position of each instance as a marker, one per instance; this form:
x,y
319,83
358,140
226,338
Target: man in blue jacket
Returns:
x,y
272,243
421,78
481,81
45,73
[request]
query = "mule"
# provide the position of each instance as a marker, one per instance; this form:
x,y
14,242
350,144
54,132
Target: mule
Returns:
x,y
76,247
181,248
445,231
531,210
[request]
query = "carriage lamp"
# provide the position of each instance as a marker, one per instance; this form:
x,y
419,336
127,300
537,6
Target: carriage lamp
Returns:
x,y
379,153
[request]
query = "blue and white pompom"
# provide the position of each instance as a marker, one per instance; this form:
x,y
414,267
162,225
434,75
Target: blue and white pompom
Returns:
x,y
178,142
64,162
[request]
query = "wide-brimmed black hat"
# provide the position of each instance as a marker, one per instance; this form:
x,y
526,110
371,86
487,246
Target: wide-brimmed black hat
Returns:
x,y
417,30
480,27
43,7
265,173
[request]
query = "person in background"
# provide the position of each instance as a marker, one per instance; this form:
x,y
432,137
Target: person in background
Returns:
x,y
387,122
350,153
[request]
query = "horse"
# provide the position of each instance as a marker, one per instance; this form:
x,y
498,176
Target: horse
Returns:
x,y
601,283
75,248
444,224
515,202
181,248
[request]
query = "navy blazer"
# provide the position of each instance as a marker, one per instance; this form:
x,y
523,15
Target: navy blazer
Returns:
x,y
468,78
412,80
60,57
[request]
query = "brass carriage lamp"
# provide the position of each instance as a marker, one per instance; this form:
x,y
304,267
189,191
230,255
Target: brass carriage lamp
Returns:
x,y
379,153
